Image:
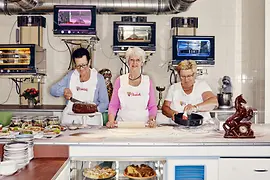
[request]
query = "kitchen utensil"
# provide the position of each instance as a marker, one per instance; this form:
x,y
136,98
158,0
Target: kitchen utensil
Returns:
x,y
193,119
225,100
185,116
167,124
75,100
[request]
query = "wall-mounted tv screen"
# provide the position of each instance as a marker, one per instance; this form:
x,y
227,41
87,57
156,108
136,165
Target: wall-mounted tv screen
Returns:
x,y
75,20
198,48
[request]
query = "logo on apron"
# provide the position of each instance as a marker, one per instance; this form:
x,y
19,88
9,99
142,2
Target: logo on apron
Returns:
x,y
81,89
182,103
133,94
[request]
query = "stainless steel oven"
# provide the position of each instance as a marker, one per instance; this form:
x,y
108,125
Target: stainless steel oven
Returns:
x,y
22,59
128,34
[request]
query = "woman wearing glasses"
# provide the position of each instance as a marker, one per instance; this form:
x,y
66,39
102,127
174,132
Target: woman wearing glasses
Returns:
x,y
190,94
84,83
133,97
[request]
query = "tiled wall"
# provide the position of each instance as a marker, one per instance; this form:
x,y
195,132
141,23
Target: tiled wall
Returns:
x,y
220,18
267,62
253,37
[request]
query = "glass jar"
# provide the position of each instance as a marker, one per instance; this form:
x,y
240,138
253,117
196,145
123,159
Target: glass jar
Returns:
x,y
53,120
40,121
16,121
27,121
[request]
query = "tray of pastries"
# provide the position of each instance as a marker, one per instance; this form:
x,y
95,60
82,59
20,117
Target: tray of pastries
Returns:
x,y
142,171
99,173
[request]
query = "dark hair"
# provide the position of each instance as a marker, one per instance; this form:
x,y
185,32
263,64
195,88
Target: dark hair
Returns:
x,y
79,53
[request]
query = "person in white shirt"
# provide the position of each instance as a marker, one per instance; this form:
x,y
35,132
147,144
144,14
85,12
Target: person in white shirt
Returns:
x,y
190,94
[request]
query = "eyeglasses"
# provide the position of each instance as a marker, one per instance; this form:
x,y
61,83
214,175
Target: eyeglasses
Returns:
x,y
81,66
187,77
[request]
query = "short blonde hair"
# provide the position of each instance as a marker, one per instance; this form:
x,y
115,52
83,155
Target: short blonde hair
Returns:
x,y
135,51
186,65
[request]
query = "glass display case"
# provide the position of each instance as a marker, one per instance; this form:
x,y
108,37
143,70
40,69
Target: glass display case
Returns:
x,y
22,58
128,34
78,169
11,56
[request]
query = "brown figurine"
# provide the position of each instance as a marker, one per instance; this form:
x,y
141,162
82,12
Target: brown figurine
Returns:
x,y
239,125
107,74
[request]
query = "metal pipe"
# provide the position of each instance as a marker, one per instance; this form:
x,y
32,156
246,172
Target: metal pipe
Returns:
x,y
103,6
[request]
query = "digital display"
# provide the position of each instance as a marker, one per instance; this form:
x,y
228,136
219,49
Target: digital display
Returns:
x,y
73,17
74,20
186,47
198,48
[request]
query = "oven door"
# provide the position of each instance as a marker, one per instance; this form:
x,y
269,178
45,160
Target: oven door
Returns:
x,y
126,34
16,58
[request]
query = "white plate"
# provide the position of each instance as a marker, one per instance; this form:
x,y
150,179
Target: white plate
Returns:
x,y
83,114
15,149
52,135
17,145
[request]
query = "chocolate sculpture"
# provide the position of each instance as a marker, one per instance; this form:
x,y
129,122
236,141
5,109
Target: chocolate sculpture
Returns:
x,y
239,125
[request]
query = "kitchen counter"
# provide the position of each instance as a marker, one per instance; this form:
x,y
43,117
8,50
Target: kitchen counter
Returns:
x,y
159,136
38,169
101,142
25,108
177,145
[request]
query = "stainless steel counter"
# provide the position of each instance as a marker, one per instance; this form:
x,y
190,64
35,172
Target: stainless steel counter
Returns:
x,y
25,108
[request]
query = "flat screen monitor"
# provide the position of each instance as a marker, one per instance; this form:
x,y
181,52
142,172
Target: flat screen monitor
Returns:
x,y
75,20
198,48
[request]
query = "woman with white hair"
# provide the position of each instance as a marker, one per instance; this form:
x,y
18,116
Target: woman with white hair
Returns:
x,y
190,94
133,97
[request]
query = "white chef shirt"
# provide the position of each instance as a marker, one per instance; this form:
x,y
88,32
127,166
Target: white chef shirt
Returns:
x,y
179,99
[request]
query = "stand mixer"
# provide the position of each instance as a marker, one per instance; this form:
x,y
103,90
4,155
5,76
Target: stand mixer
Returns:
x,y
225,95
160,89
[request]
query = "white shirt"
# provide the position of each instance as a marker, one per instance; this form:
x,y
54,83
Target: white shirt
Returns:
x,y
179,99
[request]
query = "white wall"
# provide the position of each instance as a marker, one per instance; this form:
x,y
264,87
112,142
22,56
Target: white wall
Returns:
x,y
267,61
220,18
253,51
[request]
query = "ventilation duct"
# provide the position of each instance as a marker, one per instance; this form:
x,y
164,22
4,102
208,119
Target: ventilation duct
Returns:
x,y
10,7
26,5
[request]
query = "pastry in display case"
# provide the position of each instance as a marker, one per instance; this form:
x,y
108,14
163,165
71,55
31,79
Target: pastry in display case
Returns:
x,y
121,169
22,59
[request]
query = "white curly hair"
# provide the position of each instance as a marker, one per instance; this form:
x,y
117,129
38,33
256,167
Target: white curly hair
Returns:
x,y
135,51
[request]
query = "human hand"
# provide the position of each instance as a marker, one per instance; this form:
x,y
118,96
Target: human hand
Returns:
x,y
173,114
190,108
151,123
67,93
111,124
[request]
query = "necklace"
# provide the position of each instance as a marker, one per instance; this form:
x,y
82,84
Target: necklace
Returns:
x,y
135,78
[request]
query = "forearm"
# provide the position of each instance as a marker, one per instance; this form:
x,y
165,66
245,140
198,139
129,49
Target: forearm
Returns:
x,y
57,90
207,105
111,117
152,105
167,111
152,110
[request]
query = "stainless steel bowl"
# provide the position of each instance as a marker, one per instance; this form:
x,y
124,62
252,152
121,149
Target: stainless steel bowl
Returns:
x,y
225,100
